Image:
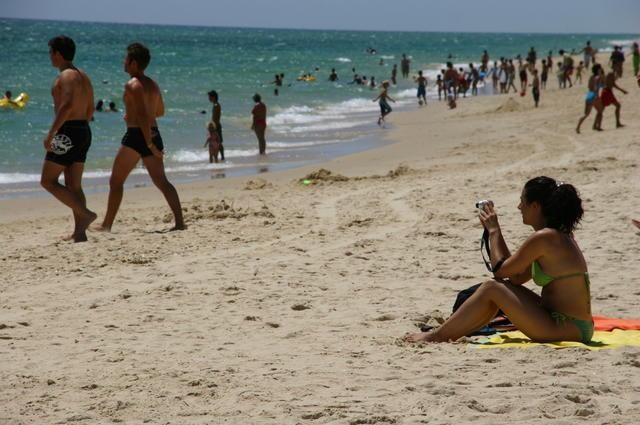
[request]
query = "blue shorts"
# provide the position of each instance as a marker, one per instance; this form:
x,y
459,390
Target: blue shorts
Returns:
x,y
422,91
384,107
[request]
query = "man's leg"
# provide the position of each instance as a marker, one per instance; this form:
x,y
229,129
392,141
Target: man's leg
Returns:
x,y
262,143
125,161
73,181
618,123
155,168
49,180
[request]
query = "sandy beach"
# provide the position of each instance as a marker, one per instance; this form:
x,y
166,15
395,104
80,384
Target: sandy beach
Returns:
x,y
283,303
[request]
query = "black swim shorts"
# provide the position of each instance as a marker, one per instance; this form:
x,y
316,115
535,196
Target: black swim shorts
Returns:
x,y
134,139
70,143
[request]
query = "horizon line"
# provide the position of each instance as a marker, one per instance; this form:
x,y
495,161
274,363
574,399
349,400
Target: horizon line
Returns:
x,y
316,29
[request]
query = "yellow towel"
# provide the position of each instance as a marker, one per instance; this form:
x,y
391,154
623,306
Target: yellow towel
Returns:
x,y
601,340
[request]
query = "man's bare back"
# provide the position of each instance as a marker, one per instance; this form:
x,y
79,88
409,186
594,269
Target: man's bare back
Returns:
x,y
143,102
73,87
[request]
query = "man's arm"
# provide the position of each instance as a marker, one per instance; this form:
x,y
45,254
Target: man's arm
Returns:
x,y
64,89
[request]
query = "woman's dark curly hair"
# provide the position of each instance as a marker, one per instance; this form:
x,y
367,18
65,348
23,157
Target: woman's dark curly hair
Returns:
x,y
560,202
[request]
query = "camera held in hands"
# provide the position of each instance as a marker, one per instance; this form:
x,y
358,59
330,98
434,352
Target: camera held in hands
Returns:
x,y
481,204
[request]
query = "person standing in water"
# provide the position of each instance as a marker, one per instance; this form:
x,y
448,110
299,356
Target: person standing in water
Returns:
x,y
69,136
422,88
259,123
385,109
216,112
143,104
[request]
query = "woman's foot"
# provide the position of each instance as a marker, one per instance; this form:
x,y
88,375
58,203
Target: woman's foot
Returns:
x,y
419,337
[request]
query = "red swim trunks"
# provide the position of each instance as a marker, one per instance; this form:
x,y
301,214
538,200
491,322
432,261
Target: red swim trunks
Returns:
x,y
607,97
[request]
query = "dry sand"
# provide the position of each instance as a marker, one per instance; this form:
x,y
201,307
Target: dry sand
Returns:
x,y
283,303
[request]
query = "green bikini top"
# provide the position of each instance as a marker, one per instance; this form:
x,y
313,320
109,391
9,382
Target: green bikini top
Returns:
x,y
543,279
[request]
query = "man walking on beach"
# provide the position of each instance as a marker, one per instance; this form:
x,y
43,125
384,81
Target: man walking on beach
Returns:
x,y
143,104
259,123
216,111
69,136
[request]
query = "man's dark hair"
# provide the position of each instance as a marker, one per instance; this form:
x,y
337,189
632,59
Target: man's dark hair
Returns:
x,y
257,98
140,54
213,94
63,45
7,94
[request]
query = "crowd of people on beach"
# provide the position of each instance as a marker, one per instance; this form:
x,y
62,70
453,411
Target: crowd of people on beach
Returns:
x,y
552,208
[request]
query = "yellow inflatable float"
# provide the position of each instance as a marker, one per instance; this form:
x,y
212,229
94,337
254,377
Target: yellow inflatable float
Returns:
x,y
18,102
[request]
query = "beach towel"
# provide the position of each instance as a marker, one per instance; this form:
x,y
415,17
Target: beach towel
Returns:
x,y
602,323
601,340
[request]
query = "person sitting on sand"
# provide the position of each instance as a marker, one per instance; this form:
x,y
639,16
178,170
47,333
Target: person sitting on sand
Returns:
x,y
593,99
385,109
550,256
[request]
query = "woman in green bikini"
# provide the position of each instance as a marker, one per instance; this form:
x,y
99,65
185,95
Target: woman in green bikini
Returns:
x,y
550,256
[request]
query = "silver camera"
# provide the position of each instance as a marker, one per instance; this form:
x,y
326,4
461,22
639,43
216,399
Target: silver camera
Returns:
x,y
481,204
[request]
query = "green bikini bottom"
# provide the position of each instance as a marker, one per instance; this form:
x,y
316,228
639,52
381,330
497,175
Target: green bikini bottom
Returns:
x,y
585,326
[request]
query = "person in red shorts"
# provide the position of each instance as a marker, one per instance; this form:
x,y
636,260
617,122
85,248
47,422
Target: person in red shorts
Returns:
x,y
608,98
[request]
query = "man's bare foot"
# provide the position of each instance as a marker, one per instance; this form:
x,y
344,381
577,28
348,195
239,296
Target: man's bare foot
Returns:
x,y
80,233
419,337
178,227
636,223
619,125
578,130
68,237
99,228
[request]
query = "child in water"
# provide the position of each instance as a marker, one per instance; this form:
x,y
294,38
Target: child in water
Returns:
x,y
213,141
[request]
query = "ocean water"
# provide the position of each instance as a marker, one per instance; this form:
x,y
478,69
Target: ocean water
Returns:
x,y
307,122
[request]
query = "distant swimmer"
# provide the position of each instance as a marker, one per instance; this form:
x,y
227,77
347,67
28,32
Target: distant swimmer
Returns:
x,y
394,74
100,106
143,105
69,136
112,107
8,97
334,75
259,122
405,65
385,109
278,83
216,113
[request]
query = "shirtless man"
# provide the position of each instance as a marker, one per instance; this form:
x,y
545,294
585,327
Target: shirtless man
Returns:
x,y
216,111
608,98
69,136
143,104
589,54
451,80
